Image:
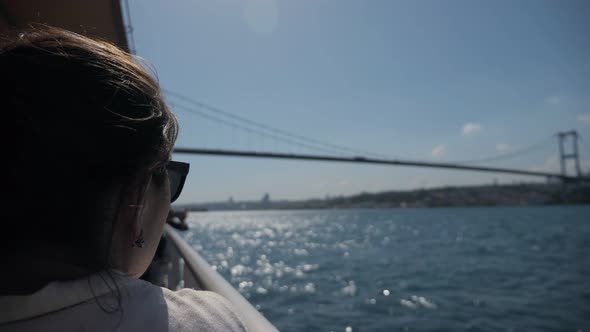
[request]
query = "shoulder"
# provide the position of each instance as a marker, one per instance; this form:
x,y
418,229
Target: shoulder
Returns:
x,y
185,309
209,311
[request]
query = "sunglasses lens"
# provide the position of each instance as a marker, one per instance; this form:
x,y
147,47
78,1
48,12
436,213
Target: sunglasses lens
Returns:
x,y
177,172
175,179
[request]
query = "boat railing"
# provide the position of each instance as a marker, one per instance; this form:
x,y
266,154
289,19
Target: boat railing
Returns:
x,y
187,269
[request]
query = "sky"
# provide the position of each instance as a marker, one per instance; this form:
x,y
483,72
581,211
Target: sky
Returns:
x,y
424,80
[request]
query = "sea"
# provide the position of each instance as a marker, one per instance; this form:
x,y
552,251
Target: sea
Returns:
x,y
431,269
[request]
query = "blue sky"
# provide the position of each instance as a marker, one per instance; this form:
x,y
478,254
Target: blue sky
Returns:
x,y
428,80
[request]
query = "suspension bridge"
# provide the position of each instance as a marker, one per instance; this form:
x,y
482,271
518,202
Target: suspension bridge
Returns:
x,y
331,152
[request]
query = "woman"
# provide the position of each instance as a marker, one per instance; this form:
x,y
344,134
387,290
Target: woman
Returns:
x,y
87,186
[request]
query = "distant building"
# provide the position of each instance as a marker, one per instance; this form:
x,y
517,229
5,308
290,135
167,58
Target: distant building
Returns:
x,y
266,198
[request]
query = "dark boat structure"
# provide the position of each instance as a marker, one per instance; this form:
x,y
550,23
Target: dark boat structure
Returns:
x,y
103,19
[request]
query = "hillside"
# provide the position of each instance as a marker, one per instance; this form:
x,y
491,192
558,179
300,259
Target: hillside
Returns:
x,y
492,195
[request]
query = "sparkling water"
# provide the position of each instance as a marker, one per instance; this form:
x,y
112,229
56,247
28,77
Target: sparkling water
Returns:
x,y
455,269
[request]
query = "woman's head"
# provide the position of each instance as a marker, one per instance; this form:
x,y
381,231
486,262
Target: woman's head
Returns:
x,y
87,137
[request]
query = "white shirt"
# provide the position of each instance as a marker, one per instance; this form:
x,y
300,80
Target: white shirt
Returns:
x,y
114,302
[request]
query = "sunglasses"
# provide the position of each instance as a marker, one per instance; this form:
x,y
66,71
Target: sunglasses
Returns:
x,y
177,172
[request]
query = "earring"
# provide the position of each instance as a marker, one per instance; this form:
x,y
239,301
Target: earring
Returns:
x,y
139,243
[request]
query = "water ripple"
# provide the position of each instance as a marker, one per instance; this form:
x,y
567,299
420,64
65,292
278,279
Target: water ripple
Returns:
x,y
488,269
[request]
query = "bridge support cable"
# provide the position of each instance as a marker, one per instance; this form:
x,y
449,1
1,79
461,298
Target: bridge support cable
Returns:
x,y
252,130
542,144
276,132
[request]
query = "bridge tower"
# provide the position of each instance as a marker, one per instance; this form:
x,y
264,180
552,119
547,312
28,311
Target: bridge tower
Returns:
x,y
564,156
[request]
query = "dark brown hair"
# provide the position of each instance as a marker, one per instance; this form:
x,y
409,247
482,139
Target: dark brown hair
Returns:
x,y
79,116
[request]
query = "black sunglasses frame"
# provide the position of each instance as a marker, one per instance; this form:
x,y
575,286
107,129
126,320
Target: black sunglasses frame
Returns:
x,y
181,169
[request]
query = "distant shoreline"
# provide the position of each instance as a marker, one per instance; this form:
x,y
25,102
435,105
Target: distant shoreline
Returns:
x,y
466,196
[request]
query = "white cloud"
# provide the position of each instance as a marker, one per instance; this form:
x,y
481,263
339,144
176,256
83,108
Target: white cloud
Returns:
x,y
439,151
501,147
471,128
262,16
584,118
553,100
